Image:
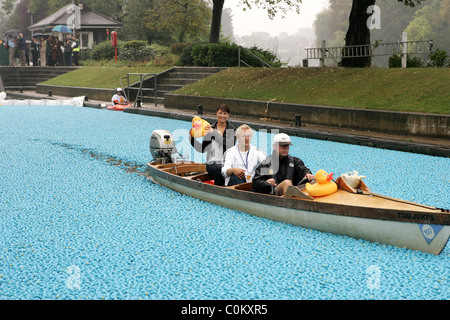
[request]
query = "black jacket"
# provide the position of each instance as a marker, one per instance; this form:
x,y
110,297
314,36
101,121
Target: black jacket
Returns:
x,y
289,167
222,143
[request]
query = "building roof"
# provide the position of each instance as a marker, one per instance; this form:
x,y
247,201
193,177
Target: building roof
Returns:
x,y
89,19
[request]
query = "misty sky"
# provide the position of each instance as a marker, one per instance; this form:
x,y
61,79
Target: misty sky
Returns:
x,y
254,20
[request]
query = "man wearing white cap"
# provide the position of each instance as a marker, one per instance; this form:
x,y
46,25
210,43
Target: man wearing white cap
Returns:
x,y
280,170
119,99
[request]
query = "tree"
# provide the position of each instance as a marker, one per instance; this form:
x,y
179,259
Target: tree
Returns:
x,y
358,32
187,17
271,6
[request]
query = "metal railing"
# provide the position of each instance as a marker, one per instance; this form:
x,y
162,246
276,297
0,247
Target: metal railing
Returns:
x,y
263,63
143,77
403,47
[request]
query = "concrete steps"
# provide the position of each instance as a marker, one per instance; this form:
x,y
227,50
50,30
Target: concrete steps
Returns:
x,y
16,78
170,80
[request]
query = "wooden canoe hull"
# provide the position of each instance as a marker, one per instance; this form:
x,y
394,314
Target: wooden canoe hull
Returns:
x,y
419,229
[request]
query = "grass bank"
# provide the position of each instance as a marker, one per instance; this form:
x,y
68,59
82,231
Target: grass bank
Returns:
x,y
416,90
100,77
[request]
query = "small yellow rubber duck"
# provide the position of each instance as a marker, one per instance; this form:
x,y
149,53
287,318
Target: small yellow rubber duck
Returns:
x,y
324,185
198,127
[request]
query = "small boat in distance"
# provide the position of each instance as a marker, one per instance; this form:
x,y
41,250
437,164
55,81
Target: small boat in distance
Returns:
x,y
353,211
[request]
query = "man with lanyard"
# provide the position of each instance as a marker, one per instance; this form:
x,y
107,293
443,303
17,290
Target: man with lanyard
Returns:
x,y
241,160
280,170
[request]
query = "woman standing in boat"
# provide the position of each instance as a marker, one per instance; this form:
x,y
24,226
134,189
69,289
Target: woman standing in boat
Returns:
x,y
219,138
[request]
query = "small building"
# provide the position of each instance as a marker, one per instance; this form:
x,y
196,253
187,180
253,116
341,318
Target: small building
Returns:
x,y
91,26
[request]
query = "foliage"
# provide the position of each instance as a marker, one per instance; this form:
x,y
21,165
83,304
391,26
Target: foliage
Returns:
x,y
186,58
426,21
439,59
136,51
102,51
188,18
225,54
178,48
395,61
274,7
215,54
159,50
431,23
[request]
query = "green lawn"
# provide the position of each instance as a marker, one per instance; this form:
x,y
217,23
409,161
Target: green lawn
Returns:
x,y
101,77
420,90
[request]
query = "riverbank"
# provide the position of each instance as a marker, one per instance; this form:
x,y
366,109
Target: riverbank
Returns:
x,y
406,143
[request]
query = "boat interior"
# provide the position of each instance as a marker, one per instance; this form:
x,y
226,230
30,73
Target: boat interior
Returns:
x,y
359,196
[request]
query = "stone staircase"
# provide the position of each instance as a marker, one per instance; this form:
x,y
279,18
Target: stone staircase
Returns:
x,y
26,78
168,81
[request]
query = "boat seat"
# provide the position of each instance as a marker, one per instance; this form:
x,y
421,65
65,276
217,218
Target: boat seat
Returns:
x,y
296,192
344,185
246,186
183,169
202,177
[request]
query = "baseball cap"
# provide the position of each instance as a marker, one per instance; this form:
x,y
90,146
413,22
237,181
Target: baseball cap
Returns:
x,y
282,139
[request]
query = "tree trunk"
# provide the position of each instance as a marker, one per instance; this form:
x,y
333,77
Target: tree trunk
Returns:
x,y
358,33
216,21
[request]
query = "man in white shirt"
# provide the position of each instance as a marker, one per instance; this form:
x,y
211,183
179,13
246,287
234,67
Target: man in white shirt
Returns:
x,y
119,99
242,159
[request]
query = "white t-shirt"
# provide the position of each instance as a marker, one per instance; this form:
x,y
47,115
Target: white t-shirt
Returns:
x,y
121,99
247,160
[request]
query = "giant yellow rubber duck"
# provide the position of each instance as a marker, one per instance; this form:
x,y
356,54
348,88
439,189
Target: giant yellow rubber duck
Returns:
x,y
198,127
324,185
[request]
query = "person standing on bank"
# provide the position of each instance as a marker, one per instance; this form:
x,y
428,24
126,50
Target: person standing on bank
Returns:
x,y
43,52
22,47
75,50
280,170
241,160
220,137
35,51
68,50
12,47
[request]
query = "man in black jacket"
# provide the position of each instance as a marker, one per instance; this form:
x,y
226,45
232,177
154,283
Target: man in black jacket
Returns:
x,y
280,170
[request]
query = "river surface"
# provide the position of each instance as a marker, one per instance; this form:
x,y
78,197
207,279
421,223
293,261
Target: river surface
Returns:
x,y
80,220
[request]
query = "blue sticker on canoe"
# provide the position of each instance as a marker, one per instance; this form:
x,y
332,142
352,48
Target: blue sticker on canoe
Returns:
x,y
429,231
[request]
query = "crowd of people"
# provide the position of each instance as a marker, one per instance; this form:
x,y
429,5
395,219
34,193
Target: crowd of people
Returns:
x,y
230,163
45,50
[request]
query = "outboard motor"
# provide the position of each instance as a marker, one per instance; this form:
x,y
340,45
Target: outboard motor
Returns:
x,y
162,147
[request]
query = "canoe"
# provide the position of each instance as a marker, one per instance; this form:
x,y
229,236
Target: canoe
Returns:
x,y
118,107
354,212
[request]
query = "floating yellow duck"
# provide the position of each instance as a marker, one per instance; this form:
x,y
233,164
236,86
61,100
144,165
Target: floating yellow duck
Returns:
x,y
198,127
324,185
